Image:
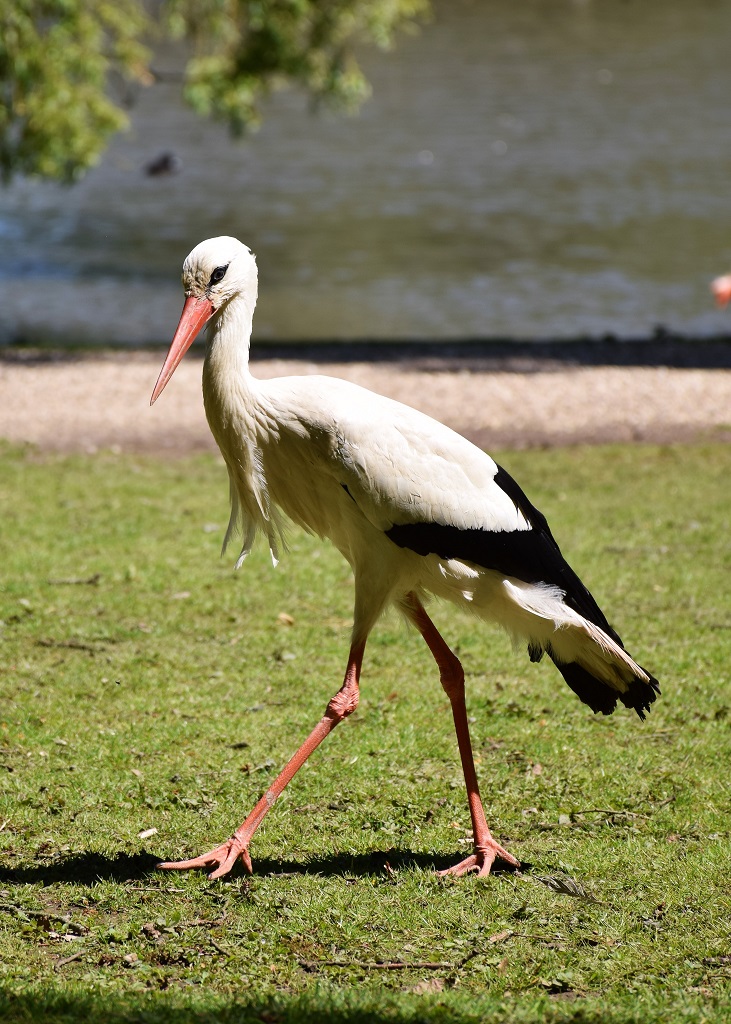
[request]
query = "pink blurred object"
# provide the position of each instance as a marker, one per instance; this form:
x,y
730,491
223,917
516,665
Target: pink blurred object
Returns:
x,y
721,288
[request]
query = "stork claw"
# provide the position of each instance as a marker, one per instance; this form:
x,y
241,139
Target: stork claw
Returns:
x,y
222,858
481,861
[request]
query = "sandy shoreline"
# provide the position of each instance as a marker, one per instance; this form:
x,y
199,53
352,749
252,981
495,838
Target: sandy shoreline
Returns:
x,y
91,402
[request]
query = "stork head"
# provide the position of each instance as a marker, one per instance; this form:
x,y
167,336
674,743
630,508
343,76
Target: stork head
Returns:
x,y
215,272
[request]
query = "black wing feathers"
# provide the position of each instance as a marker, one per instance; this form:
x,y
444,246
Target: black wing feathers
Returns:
x,y
529,555
555,567
532,556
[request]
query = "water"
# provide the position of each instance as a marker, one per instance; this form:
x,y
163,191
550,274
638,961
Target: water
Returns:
x,y
525,170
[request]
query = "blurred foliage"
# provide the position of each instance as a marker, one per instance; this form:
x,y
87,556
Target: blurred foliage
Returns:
x,y
58,62
244,48
66,65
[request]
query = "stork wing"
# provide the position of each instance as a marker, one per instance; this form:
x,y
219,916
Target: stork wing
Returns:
x,y
399,465
432,491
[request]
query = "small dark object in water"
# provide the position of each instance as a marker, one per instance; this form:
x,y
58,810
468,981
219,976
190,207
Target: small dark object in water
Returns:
x,y
165,163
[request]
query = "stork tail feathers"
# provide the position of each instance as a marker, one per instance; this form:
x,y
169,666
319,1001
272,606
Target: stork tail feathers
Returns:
x,y
602,698
593,661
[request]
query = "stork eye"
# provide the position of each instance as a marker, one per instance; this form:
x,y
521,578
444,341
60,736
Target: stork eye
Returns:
x,y
218,274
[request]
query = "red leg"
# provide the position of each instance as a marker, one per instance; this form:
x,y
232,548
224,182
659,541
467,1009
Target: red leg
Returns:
x,y
223,857
452,678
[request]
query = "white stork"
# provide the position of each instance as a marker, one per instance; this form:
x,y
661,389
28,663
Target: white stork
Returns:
x,y
416,510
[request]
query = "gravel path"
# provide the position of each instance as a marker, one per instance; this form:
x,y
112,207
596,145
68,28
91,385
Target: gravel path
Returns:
x,y
86,403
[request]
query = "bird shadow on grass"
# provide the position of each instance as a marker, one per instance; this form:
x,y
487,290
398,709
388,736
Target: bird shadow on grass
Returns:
x,y
375,862
88,868
81,869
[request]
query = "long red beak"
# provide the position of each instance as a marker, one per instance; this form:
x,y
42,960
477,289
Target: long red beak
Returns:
x,y
195,313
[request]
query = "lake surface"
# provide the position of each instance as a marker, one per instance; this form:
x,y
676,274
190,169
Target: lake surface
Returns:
x,y
541,169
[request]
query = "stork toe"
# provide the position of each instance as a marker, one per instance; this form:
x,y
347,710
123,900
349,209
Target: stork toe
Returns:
x,y
481,861
222,858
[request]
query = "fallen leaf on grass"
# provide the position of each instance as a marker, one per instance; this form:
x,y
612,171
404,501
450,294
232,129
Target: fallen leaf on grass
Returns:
x,y
566,886
427,986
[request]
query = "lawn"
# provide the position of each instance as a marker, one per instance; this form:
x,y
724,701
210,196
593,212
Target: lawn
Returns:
x,y
146,686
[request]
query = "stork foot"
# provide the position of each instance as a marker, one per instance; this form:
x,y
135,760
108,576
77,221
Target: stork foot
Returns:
x,y
481,860
222,859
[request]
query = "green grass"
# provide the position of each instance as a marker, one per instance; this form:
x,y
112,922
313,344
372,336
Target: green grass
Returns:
x,y
145,685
